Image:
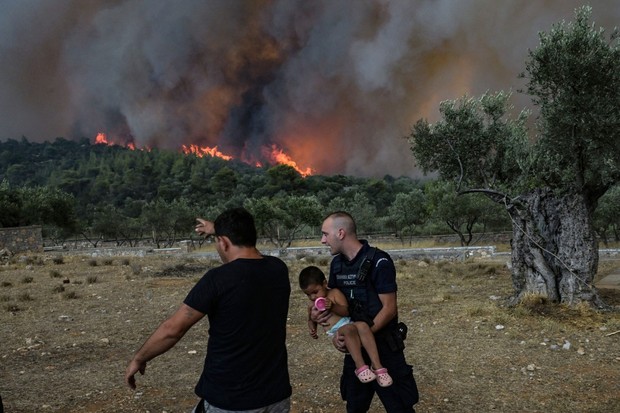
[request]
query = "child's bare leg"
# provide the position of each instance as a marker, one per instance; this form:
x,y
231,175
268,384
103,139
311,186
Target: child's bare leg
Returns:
x,y
353,343
367,339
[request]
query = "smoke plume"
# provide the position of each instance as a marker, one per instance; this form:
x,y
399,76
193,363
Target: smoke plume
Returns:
x,y
336,84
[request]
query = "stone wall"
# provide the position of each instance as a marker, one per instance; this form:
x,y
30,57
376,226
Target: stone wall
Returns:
x,y
21,239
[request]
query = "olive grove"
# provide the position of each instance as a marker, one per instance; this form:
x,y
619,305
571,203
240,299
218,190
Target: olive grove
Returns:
x,y
549,181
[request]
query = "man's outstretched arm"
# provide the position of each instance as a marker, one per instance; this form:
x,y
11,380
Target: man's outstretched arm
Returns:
x,y
163,339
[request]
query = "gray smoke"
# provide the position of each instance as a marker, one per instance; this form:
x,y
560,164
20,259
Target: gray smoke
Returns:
x,y
336,84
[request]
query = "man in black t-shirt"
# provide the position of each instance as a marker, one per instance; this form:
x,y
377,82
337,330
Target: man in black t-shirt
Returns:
x,y
367,277
246,300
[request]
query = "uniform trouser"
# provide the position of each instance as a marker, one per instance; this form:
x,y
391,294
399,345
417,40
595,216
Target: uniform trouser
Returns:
x,y
400,397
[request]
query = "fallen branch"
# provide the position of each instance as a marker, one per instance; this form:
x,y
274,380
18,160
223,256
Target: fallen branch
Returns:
x,y
611,334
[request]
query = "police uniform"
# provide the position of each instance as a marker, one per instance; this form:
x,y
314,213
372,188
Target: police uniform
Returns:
x,y
361,283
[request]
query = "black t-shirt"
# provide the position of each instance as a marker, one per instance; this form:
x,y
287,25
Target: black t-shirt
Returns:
x,y
247,303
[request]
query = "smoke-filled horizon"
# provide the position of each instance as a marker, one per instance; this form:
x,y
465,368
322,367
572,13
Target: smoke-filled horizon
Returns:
x,y
335,84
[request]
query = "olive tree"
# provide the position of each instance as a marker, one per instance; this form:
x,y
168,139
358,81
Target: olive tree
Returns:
x,y
549,184
281,219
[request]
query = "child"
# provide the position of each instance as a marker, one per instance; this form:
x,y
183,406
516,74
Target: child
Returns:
x,y
357,334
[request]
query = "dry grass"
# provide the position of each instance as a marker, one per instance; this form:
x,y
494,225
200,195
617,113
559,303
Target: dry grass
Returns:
x,y
69,346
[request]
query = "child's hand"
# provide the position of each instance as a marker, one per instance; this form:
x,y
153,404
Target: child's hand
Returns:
x,y
328,304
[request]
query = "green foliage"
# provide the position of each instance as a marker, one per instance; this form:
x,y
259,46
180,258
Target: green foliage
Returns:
x,y
281,219
465,213
51,208
574,78
408,211
474,144
607,215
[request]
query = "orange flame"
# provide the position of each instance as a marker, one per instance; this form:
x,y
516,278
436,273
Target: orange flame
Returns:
x,y
278,156
201,151
273,153
101,139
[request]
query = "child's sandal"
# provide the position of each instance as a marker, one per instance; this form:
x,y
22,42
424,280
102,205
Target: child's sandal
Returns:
x,y
383,378
364,374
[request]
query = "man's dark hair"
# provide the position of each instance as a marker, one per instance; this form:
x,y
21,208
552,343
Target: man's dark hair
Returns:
x,y
238,225
311,275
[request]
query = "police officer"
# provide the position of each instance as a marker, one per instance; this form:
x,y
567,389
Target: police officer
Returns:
x,y
367,277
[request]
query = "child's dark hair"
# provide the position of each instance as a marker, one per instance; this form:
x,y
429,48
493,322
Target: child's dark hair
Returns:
x,y
310,275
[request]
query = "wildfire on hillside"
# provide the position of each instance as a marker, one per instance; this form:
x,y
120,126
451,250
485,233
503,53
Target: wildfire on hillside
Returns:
x,y
201,151
272,153
102,139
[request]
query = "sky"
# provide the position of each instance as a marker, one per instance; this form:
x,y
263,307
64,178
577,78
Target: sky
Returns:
x,y
335,84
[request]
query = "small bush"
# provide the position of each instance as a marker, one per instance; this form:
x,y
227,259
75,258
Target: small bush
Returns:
x,y
6,284
108,261
12,308
59,289
27,280
55,274
92,263
125,261
91,279
70,295
5,298
25,297
58,260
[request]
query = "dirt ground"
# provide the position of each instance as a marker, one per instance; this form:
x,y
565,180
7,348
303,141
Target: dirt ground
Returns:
x,y
69,325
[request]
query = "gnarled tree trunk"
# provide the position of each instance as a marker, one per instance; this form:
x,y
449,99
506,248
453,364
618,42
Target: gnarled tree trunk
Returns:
x,y
554,248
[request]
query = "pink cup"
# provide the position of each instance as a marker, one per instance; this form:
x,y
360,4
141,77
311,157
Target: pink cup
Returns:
x,y
319,303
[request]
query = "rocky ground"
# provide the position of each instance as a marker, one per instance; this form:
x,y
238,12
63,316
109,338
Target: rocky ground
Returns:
x,y
69,324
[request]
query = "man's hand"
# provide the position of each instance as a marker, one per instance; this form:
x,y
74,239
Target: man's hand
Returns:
x,y
204,227
134,367
338,341
320,316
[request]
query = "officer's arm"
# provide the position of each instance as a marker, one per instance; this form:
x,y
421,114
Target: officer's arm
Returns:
x,y
387,312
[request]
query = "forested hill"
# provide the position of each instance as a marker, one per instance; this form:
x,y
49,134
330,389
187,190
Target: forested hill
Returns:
x,y
110,174
131,184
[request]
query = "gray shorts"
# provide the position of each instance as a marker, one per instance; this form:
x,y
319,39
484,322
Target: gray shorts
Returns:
x,y
283,406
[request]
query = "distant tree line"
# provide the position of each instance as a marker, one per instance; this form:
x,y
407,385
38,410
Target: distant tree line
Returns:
x,y
112,193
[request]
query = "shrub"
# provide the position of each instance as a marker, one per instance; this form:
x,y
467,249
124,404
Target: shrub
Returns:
x,y
58,260
6,284
25,297
92,263
27,280
70,295
55,274
91,279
